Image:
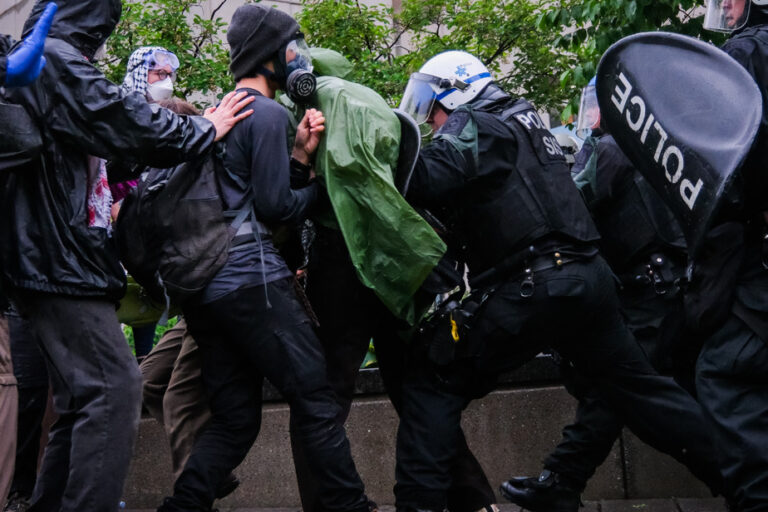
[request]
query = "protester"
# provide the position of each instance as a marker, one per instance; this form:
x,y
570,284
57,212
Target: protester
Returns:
x,y
247,322
58,261
19,68
151,72
504,190
370,254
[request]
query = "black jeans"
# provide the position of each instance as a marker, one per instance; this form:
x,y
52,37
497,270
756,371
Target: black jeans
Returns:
x,y
350,315
96,392
32,378
243,340
574,310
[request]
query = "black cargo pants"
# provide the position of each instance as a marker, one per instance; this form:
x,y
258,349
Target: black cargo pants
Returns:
x,y
242,340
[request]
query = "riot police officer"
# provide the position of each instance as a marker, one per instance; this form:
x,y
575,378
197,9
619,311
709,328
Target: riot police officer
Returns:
x,y
645,247
500,182
732,371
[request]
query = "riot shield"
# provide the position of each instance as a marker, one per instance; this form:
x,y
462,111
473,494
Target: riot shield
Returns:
x,y
685,113
410,144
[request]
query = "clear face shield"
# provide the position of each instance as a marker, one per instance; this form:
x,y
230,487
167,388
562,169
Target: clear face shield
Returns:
x,y
589,112
419,97
726,15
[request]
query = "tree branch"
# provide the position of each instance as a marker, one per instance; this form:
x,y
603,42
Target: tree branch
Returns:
x,y
213,12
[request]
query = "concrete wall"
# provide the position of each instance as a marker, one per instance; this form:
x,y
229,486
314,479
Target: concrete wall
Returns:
x,y
510,432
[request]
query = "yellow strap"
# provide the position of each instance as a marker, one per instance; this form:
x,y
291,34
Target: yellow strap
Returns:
x,y
454,329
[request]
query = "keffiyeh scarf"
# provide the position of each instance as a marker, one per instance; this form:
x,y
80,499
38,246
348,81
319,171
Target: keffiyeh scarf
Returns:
x,y
138,70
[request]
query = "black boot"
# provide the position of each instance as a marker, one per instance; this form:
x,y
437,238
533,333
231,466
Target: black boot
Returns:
x,y
543,494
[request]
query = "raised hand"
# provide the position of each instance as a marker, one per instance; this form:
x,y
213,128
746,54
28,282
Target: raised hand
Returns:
x,y
25,63
308,134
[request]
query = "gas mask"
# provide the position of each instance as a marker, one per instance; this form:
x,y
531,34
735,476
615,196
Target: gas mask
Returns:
x,y
293,70
161,90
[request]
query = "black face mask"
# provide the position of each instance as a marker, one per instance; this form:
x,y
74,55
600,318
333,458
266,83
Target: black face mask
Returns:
x,y
296,76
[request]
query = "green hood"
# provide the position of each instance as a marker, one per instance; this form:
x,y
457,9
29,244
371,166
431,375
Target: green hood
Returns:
x,y
392,248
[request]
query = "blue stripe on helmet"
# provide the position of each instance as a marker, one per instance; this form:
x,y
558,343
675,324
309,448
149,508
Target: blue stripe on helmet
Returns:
x,y
467,81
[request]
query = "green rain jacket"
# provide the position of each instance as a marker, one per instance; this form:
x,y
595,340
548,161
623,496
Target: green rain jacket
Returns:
x,y
392,248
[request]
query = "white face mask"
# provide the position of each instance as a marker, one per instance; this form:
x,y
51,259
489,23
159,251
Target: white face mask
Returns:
x,y
161,90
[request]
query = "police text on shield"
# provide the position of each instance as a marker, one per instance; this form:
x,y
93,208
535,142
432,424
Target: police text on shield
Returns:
x,y
641,121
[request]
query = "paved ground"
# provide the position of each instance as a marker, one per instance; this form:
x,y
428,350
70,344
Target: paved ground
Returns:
x,y
672,505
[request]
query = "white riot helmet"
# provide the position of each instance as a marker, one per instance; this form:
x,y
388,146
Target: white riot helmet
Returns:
x,y
729,15
451,78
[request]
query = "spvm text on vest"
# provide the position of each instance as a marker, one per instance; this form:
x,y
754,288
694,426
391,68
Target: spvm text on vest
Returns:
x,y
643,122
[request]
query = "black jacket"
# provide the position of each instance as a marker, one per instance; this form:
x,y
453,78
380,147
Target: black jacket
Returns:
x,y
46,242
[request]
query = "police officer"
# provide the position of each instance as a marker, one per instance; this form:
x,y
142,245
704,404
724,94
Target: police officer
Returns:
x,y
732,371
500,181
645,247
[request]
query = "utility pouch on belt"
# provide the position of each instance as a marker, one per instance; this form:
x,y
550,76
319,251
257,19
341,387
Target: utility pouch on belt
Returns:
x,y
446,332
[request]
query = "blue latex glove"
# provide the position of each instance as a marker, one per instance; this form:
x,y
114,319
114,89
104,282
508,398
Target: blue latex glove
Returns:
x,y
25,62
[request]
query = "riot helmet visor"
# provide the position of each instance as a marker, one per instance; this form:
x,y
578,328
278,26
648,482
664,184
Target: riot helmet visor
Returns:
x,y
419,96
726,15
589,111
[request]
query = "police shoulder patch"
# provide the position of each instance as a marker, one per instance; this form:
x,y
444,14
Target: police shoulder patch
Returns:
x,y
455,123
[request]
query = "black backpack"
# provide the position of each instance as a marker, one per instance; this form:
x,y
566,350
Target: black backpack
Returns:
x,y
173,233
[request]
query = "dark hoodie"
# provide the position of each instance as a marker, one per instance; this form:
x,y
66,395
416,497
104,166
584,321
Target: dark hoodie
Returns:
x,y
48,240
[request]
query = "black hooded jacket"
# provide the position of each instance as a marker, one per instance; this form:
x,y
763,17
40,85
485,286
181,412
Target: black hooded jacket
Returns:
x,y
47,241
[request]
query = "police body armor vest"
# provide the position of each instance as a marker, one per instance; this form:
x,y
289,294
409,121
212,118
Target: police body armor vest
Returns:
x,y
636,224
635,221
502,216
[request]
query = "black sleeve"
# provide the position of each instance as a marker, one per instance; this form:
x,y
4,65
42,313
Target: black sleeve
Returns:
x,y
439,174
91,112
741,49
274,199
